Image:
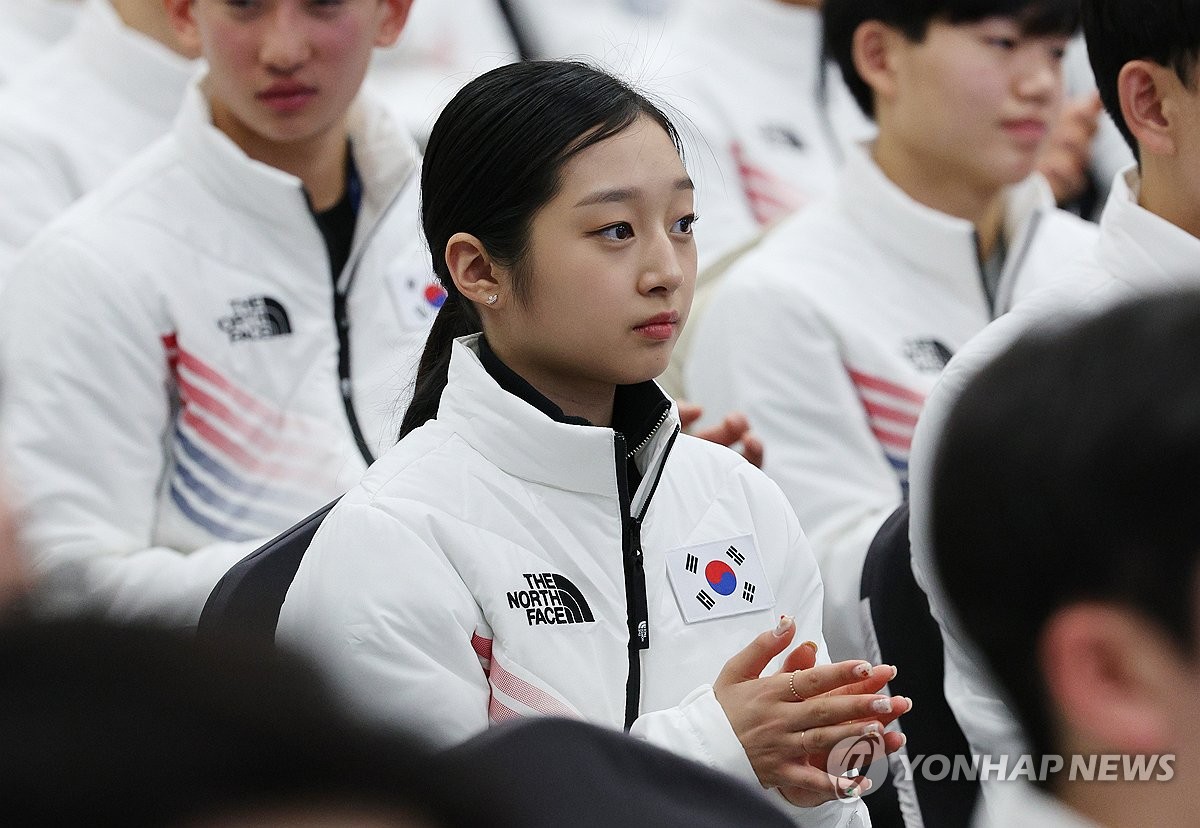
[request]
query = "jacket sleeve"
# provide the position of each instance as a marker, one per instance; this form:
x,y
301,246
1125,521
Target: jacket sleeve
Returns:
x,y
986,720
84,415
380,607
698,727
762,349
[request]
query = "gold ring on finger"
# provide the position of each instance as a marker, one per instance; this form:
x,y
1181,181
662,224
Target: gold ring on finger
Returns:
x,y
792,685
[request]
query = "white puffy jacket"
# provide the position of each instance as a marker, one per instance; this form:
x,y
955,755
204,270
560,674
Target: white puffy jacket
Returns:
x,y
1137,253
831,332
480,572
170,358
86,107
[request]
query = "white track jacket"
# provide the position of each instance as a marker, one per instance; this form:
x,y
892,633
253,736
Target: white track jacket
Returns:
x,y
102,95
829,335
1137,253
492,566
172,392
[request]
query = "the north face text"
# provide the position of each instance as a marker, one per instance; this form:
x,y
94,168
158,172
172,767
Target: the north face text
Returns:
x,y
258,317
550,599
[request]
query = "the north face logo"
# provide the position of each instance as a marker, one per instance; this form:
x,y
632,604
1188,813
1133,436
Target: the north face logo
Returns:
x,y
550,599
928,355
257,317
783,134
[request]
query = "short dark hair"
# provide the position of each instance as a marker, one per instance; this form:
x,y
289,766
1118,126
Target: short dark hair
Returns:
x,y
494,159
136,726
1166,32
912,17
1069,471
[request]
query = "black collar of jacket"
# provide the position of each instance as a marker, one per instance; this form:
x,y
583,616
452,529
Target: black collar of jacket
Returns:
x,y
637,409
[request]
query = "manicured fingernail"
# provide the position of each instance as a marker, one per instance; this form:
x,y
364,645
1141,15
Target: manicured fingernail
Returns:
x,y
862,669
895,671
903,739
786,622
854,789
910,702
873,727
882,705
812,645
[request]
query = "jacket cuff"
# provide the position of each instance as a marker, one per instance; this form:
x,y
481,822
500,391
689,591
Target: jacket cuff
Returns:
x,y
699,729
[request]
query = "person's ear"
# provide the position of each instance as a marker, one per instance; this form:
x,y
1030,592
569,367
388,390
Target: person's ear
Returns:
x,y
393,16
182,20
874,49
1110,675
476,276
1148,92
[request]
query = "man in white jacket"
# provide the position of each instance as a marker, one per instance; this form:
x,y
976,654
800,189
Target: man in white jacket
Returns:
x,y
831,332
103,94
1069,548
212,344
1149,242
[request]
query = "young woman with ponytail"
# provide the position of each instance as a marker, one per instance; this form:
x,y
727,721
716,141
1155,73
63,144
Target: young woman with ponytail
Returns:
x,y
543,539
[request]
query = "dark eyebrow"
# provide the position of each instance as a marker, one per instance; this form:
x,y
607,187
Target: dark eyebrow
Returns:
x,y
627,194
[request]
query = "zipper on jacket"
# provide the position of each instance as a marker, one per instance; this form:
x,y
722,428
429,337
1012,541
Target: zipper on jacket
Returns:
x,y
342,282
341,320
635,588
1012,268
634,564
824,116
988,299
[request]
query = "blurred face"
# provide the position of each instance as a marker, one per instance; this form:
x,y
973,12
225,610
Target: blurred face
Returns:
x,y
976,101
284,72
612,266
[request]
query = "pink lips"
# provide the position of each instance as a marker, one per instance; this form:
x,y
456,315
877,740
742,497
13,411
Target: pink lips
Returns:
x,y
287,97
1027,130
661,327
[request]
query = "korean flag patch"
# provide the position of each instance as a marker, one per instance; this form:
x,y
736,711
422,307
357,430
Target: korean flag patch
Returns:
x,y
718,579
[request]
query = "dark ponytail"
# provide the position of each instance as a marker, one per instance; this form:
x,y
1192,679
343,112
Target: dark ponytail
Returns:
x,y
493,160
455,318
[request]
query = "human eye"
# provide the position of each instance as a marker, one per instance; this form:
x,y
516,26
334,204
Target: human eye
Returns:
x,y
621,231
1058,50
242,9
325,7
999,33
684,225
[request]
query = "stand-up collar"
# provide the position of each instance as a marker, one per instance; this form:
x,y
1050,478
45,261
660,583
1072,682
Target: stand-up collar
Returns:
x,y
932,242
1140,248
144,71
386,159
524,437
